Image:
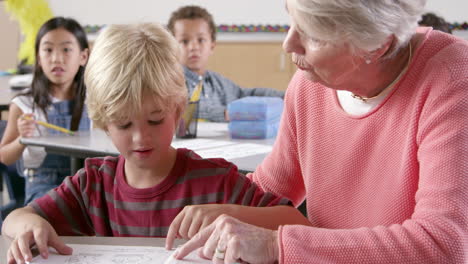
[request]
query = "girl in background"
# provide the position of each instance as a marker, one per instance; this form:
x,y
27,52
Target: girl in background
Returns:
x,y
56,96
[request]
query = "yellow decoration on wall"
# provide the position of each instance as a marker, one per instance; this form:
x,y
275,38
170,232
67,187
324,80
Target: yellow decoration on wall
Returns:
x,y
31,14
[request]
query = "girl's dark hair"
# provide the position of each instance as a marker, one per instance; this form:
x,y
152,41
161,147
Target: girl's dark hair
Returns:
x,y
40,83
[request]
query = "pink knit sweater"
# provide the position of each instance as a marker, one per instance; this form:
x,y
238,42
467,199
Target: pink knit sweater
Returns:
x,y
390,186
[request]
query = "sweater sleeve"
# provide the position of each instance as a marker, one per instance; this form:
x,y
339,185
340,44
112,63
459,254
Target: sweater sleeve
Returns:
x,y
283,159
65,207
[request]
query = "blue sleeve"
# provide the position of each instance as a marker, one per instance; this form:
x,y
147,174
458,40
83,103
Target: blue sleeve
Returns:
x,y
221,91
216,96
262,92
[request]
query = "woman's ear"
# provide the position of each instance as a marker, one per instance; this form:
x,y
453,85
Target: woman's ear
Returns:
x,y
380,52
384,49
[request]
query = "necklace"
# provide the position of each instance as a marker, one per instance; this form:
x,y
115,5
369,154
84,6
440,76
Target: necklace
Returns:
x,y
365,99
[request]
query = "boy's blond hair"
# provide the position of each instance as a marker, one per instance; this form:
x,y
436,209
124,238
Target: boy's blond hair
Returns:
x,y
129,62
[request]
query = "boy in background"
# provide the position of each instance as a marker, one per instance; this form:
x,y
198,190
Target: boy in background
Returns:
x,y
435,21
136,93
194,28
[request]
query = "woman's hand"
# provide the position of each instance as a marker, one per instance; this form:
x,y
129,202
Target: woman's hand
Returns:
x,y
194,218
26,125
38,231
228,240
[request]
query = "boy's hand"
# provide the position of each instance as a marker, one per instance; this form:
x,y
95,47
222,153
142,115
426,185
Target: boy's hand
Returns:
x,y
43,235
193,218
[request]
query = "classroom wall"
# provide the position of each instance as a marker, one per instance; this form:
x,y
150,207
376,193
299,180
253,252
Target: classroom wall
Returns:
x,y
224,11
91,12
11,39
123,11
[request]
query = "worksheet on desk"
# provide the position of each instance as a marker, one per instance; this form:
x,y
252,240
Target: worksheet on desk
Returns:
x,y
104,254
235,151
200,143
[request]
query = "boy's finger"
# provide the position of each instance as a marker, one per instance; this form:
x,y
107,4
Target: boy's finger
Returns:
x,y
185,226
24,250
10,258
173,230
204,224
41,243
15,253
195,227
61,247
196,242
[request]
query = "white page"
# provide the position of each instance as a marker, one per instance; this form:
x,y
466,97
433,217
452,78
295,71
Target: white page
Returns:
x,y
199,143
234,151
212,129
105,254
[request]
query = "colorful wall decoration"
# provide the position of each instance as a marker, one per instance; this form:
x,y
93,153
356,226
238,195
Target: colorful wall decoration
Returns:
x,y
222,28
263,28
458,26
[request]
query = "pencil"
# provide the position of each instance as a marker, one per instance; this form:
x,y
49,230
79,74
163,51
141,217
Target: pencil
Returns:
x,y
196,92
188,114
54,127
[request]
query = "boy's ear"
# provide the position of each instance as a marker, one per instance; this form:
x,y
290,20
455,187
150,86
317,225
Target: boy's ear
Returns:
x,y
213,45
84,55
177,116
105,129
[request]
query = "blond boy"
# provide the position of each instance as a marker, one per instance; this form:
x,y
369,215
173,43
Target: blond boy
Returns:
x,y
136,93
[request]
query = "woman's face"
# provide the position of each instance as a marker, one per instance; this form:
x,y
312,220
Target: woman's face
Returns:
x,y
323,62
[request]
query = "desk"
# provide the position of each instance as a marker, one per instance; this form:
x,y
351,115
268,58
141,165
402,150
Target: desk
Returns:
x,y
120,241
212,141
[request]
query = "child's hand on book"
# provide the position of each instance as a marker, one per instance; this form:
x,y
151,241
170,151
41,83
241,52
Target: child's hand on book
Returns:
x,y
35,231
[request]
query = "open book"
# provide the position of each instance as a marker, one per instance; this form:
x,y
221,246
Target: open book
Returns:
x,y
105,254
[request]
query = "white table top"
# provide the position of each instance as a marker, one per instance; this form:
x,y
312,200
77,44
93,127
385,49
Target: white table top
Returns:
x,y
212,141
120,241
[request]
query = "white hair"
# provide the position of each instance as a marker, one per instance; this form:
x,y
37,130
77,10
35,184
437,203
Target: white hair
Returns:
x,y
363,24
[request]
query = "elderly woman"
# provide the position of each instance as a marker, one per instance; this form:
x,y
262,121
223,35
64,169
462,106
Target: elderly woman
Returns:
x,y
373,137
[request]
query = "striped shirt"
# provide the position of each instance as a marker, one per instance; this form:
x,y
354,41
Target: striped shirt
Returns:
x,y
98,201
219,91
